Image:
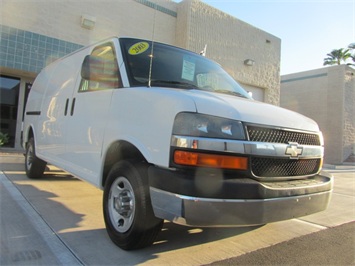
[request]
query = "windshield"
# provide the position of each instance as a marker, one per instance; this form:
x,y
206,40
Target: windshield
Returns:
x,y
175,68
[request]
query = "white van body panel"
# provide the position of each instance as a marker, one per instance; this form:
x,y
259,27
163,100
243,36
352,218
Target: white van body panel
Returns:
x,y
56,83
86,134
54,123
104,124
151,106
251,111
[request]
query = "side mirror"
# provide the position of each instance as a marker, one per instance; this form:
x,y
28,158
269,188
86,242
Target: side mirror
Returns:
x,y
97,69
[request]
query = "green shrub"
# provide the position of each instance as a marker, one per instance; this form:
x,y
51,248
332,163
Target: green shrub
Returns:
x,y
4,138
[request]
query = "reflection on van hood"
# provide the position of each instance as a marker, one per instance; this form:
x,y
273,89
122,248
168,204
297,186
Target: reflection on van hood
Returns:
x,y
251,111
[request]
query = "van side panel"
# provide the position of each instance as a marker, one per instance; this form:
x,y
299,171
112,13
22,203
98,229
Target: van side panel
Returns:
x,y
136,116
34,103
56,109
52,96
86,131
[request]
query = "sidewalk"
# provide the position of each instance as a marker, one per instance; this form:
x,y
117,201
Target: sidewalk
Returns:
x,y
26,239
344,166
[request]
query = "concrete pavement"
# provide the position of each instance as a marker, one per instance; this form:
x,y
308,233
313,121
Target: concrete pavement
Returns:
x,y
58,220
25,236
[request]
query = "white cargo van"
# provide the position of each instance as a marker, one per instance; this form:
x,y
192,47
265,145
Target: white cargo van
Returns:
x,y
168,134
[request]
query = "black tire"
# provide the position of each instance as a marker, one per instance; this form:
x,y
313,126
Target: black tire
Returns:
x,y
128,214
34,166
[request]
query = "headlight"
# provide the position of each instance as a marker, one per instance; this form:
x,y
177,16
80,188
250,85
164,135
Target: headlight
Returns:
x,y
199,125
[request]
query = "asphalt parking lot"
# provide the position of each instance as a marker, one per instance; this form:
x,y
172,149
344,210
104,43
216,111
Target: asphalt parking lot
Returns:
x,y
57,220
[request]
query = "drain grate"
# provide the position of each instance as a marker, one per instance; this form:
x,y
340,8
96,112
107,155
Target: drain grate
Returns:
x,y
26,255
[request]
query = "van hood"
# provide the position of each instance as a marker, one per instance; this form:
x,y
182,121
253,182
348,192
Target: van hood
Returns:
x,y
248,110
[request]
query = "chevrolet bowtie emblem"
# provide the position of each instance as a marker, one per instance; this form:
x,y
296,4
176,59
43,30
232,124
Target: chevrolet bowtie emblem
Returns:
x,y
293,150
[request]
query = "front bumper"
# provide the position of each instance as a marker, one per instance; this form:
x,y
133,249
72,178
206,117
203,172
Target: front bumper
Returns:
x,y
191,211
270,202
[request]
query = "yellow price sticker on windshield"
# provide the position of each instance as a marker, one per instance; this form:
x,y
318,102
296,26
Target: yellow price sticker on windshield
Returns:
x,y
138,48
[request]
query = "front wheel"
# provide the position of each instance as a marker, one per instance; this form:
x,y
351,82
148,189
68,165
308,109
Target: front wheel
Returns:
x,y
128,214
34,166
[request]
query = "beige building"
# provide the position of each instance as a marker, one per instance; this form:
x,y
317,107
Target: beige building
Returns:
x,y
326,95
34,33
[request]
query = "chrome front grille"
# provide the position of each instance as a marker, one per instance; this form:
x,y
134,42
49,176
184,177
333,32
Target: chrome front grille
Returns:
x,y
262,166
273,135
271,167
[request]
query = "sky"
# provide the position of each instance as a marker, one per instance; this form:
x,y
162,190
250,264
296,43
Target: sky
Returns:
x,y
308,30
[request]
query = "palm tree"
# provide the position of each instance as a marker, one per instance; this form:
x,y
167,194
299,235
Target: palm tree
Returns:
x,y
337,56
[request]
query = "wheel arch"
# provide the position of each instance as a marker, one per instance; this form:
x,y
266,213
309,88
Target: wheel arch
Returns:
x,y
119,150
28,133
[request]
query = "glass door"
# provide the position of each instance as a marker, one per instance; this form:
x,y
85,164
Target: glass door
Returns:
x,y
9,95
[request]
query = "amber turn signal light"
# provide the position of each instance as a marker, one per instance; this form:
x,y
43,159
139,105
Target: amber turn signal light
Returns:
x,y
210,160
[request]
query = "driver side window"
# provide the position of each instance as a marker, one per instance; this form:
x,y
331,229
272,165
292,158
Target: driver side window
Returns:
x,y
107,62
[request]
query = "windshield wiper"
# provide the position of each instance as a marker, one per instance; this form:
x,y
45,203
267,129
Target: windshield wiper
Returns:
x,y
234,93
176,84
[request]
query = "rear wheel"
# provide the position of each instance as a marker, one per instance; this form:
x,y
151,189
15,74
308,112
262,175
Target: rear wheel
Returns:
x,y
34,166
128,214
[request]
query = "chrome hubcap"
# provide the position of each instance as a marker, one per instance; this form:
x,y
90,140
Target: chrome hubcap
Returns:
x,y
29,157
121,204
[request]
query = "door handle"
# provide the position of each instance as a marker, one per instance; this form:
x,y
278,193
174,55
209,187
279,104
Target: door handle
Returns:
x,y
72,107
66,107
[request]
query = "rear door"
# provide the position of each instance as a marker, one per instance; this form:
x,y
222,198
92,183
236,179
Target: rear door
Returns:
x,y
88,113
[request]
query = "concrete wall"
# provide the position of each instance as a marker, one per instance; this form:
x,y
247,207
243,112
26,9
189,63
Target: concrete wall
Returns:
x,y
230,42
327,96
349,114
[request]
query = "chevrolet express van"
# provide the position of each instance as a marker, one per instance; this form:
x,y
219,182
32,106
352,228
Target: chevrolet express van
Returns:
x,y
169,135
